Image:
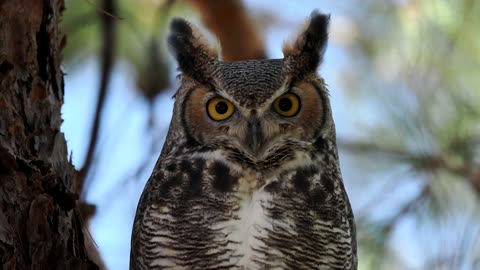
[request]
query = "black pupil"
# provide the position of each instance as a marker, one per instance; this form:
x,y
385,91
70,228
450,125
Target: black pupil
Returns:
x,y
221,107
285,104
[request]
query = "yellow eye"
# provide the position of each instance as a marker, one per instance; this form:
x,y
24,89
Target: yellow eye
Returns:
x,y
287,105
219,108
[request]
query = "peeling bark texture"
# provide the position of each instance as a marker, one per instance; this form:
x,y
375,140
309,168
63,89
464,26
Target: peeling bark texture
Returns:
x,y
39,225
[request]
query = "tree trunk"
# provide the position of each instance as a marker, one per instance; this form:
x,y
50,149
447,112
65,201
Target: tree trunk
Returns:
x,y
40,227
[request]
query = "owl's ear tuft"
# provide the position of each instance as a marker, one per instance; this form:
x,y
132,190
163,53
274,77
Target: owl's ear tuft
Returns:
x,y
305,52
194,54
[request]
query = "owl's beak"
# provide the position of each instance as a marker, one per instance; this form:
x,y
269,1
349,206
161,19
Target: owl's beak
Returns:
x,y
254,134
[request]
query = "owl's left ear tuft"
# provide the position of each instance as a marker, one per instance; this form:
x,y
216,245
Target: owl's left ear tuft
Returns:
x,y
193,52
306,51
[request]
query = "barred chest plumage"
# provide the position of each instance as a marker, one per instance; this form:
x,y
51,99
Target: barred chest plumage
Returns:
x,y
216,220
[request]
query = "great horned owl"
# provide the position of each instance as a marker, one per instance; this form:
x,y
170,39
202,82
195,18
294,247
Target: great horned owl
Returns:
x,y
249,176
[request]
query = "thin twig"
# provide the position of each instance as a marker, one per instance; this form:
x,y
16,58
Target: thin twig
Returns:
x,y
407,208
420,162
104,10
107,56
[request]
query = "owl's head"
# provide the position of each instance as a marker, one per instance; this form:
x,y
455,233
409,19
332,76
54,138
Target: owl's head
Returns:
x,y
257,109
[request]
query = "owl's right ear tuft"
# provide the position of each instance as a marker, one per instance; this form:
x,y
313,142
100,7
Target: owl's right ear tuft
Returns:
x,y
305,52
194,54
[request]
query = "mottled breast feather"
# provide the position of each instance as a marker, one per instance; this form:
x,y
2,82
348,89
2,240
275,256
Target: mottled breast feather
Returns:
x,y
198,216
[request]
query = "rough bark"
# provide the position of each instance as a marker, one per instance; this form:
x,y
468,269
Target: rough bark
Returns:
x,y
40,227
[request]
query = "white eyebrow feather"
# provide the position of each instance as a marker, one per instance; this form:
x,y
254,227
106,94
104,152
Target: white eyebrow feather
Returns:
x,y
280,91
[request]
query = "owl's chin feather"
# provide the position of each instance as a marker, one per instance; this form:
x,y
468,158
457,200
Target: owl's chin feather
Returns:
x,y
275,153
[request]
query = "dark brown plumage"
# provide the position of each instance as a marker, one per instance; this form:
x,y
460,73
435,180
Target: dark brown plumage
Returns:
x,y
258,189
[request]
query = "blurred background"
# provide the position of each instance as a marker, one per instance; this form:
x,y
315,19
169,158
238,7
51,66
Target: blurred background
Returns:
x,y
404,78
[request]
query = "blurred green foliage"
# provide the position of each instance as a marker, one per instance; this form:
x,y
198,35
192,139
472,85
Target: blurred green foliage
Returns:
x,y
417,63
141,27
